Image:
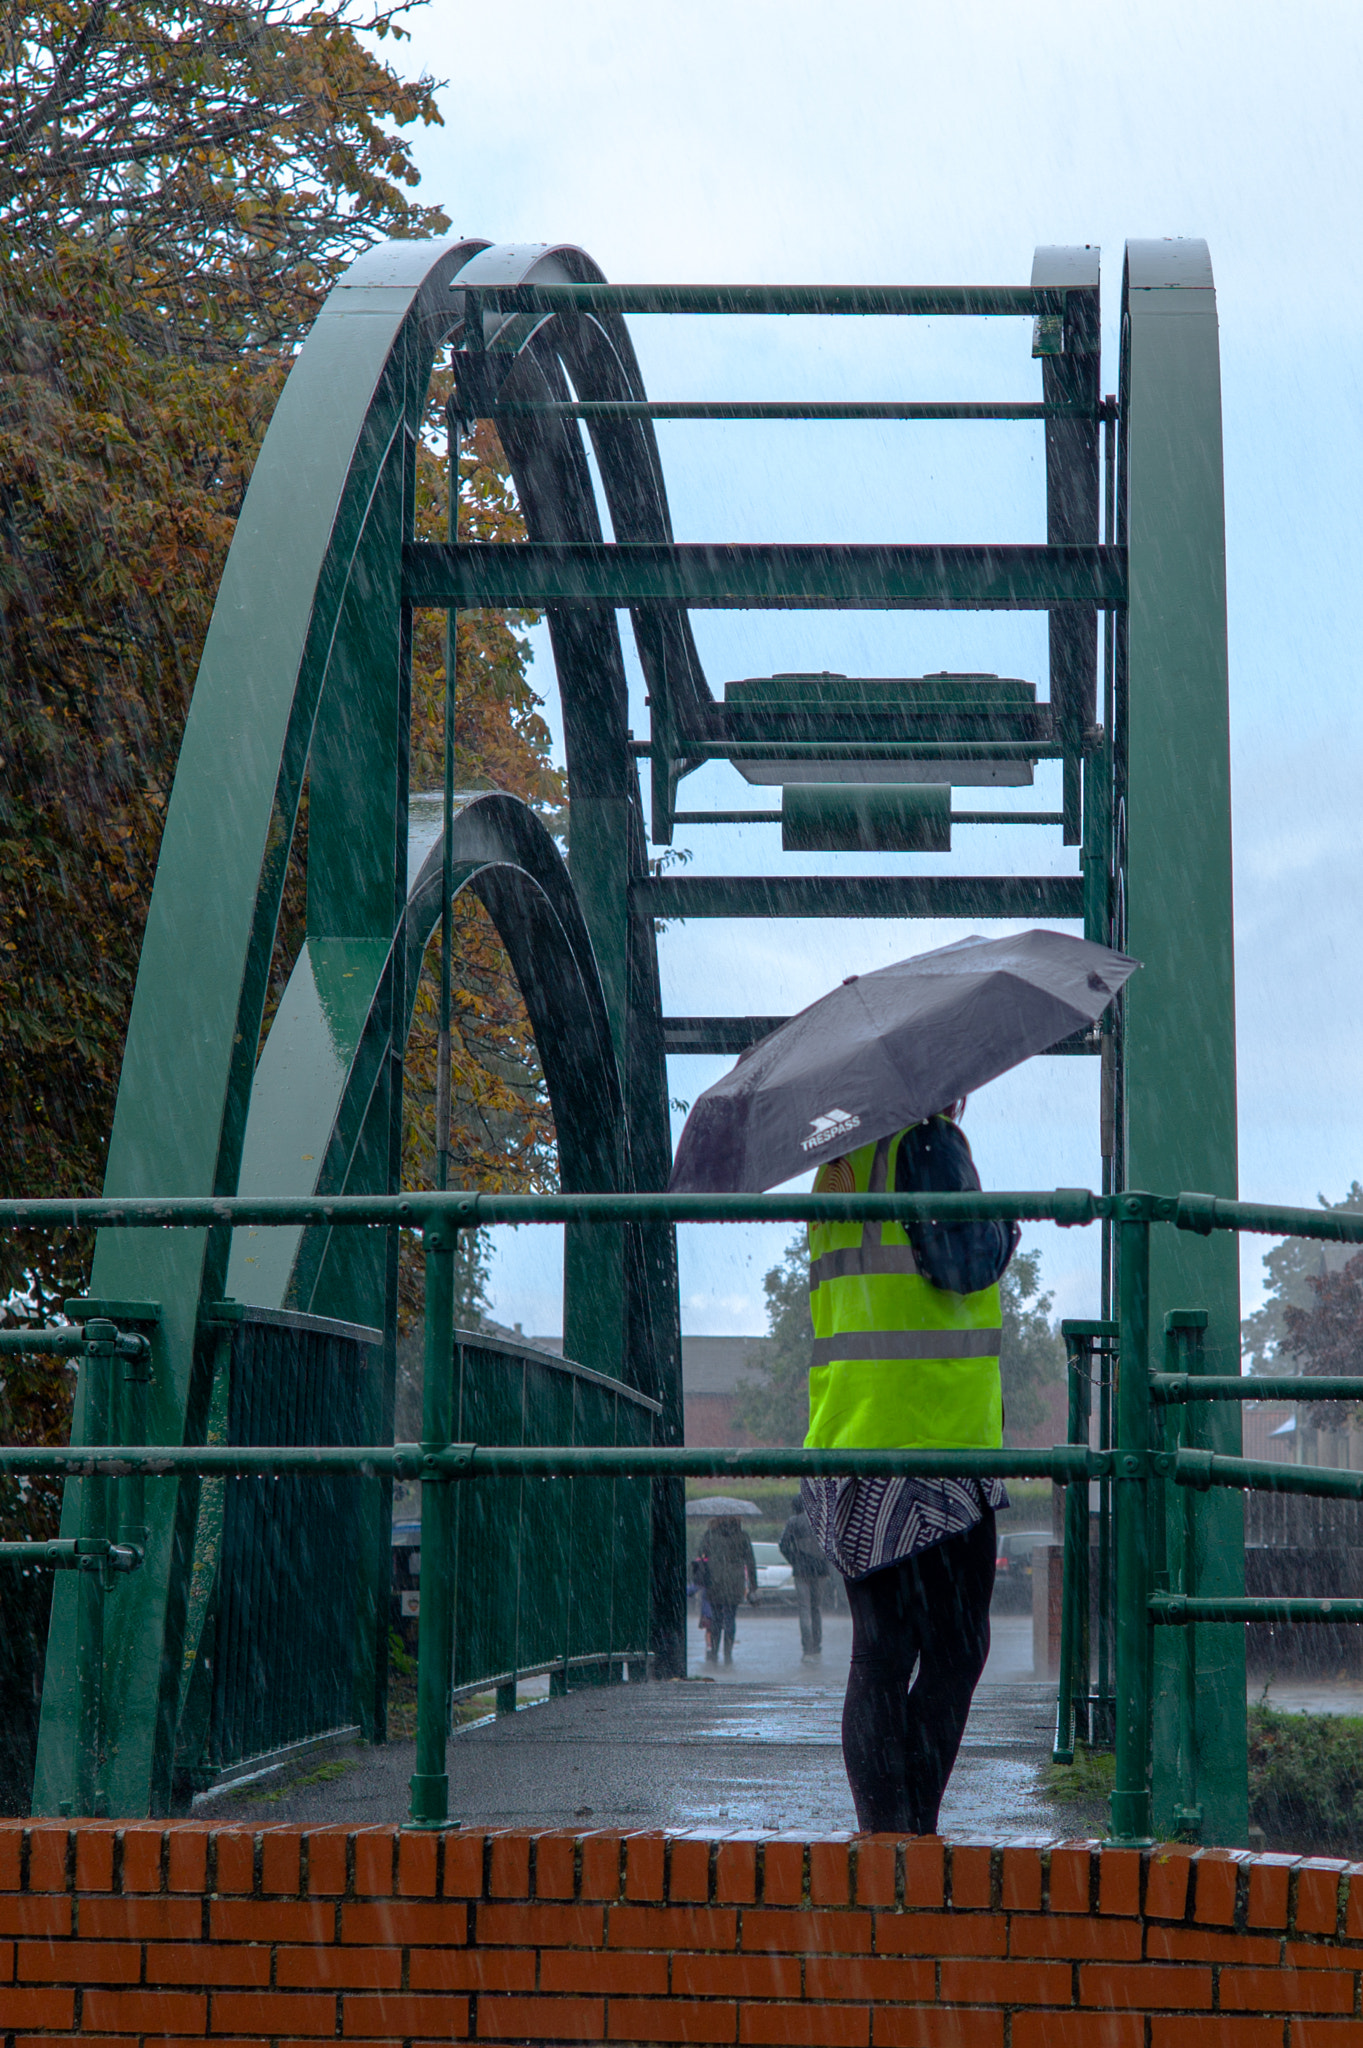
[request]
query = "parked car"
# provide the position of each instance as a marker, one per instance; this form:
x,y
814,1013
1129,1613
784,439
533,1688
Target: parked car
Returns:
x,y
1013,1570
775,1579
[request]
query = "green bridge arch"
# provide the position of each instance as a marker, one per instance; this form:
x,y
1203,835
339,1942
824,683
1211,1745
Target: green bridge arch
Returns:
x,y
306,671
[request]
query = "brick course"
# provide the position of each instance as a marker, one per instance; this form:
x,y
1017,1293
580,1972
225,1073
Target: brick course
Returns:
x,y
183,1933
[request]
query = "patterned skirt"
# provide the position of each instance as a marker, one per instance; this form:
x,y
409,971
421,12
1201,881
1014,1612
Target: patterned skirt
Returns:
x,y
862,1525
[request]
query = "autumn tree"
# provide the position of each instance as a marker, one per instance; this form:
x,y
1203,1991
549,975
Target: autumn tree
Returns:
x,y
772,1404
1327,1336
1290,1269
179,187
1032,1355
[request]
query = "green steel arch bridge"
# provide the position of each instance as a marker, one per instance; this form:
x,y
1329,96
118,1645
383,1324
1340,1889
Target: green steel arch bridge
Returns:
x,y
232,1458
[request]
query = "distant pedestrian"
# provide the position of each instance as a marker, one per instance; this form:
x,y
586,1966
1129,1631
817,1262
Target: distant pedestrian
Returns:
x,y
727,1570
802,1552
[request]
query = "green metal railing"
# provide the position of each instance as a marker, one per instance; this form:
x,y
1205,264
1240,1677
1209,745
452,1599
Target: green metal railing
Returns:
x,y
1136,1465
1083,1707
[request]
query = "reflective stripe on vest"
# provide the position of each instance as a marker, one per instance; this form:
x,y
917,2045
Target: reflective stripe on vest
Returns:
x,y
897,1362
891,1344
862,1258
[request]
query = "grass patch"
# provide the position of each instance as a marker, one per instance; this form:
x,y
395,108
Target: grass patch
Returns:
x,y
1081,1789
1087,1779
323,1775
1306,1779
402,1708
475,1708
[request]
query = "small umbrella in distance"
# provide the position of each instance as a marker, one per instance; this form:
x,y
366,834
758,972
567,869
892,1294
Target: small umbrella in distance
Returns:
x,y
888,1049
716,1504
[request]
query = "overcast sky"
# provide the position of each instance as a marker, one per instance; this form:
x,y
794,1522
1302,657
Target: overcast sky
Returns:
x,y
910,144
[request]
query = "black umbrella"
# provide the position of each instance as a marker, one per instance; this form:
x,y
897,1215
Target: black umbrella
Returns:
x,y
887,1049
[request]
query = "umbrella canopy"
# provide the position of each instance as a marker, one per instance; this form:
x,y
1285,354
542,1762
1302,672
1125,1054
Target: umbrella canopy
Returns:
x,y
719,1504
888,1049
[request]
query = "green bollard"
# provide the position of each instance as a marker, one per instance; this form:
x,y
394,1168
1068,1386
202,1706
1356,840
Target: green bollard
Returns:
x,y
430,1785
1131,1788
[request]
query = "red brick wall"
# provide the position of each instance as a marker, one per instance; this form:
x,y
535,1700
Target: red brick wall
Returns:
x,y
370,1935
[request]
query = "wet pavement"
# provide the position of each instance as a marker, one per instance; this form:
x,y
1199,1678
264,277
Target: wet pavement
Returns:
x,y
755,1744
752,1745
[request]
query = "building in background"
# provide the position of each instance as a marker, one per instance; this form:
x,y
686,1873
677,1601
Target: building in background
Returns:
x,y
713,1369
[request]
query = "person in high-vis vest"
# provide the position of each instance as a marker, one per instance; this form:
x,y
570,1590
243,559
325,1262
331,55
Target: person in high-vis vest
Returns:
x,y
907,1330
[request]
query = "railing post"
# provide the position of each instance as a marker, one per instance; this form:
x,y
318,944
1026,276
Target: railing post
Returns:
x,y
1183,1333
435,1638
132,1522
1073,1629
1131,1787
100,1340
1104,1723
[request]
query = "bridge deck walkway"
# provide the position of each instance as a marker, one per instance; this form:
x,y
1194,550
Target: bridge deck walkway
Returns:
x,y
751,1746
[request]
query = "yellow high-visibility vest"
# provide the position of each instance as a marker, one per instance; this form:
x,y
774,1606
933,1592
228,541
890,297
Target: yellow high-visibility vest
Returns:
x,y
898,1363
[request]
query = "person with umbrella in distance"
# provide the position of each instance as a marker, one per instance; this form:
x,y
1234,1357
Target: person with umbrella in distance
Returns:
x,y
725,1570
868,1086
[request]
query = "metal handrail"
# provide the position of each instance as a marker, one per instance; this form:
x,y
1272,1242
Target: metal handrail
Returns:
x,y
1063,1463
1069,1207
1132,1465
469,1211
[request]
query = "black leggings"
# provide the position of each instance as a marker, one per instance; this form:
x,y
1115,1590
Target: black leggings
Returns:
x,y
900,1734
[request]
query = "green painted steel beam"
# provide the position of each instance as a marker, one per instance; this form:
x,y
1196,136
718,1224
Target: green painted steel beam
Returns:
x,y
1066,1205
737,1034
1178,1015
528,575
937,896
50,1343
621,1306
1185,1609
1024,726
971,301
73,1554
1182,1386
305,634
1071,383
871,746
1204,1469
454,1461
1131,1793
784,409
1206,1213
1007,817
957,818
717,1034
